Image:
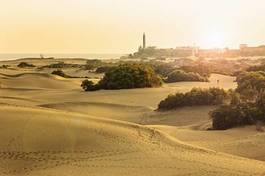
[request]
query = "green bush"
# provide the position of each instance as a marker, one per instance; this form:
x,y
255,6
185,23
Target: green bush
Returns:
x,y
57,65
103,69
197,96
179,75
247,105
162,68
229,116
4,66
61,65
88,85
92,64
60,73
250,84
201,69
128,76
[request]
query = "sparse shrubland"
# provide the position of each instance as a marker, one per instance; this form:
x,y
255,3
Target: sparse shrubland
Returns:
x,y
195,97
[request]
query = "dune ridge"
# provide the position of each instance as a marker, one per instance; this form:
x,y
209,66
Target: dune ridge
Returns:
x,y
36,81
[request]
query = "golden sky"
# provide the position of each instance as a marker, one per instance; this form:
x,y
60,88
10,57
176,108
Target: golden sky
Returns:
x,y
116,26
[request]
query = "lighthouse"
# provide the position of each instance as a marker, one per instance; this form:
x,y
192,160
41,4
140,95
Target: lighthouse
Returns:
x,y
144,41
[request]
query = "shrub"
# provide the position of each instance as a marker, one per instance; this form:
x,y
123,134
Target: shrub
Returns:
x,y
103,69
201,69
250,84
172,102
92,64
60,65
4,66
197,96
127,76
162,68
60,73
256,68
229,116
88,85
247,105
56,65
179,75
25,64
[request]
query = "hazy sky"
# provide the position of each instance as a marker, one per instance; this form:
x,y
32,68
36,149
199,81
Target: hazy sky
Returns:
x,y
116,26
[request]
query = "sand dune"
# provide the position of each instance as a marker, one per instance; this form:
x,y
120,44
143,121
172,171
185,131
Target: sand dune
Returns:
x,y
137,114
36,80
38,141
49,126
245,142
134,114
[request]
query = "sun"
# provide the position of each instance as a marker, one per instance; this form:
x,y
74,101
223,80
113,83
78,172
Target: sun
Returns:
x,y
214,40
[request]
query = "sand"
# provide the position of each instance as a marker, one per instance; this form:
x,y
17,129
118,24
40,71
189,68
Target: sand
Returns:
x,y
49,126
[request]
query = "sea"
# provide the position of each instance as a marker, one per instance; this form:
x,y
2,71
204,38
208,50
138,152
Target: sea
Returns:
x,y
85,56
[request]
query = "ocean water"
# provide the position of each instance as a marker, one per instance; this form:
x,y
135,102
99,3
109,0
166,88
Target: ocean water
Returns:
x,y
85,56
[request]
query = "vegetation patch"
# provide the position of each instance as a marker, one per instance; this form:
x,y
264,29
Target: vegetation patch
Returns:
x,y
247,103
180,75
88,85
196,97
257,68
25,65
4,66
93,64
200,69
61,65
103,69
128,76
60,73
161,68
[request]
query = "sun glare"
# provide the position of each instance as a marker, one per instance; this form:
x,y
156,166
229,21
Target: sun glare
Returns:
x,y
214,40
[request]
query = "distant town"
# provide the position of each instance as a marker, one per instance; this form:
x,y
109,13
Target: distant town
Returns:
x,y
189,51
